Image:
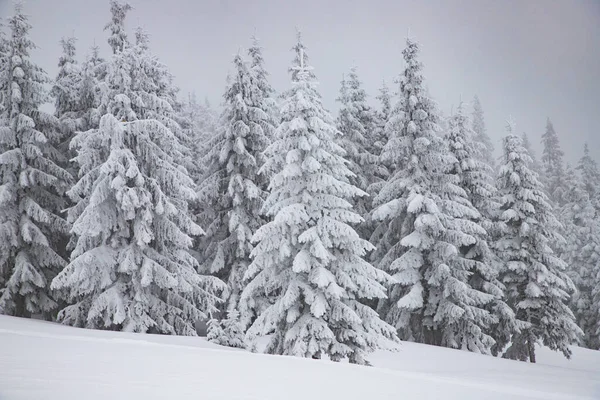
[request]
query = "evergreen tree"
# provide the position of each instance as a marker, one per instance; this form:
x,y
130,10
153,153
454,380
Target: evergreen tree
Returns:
x,y
357,125
581,252
264,92
231,193
537,287
486,152
475,178
92,74
380,139
66,87
308,258
428,220
534,163
383,116
118,39
552,161
32,183
590,174
227,332
131,268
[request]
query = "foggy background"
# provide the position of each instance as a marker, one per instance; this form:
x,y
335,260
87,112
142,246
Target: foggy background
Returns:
x,y
530,59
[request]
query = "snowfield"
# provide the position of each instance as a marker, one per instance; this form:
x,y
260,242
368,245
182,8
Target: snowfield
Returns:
x,y
42,360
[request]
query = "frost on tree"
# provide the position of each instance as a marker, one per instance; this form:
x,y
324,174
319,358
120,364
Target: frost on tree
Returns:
x,y
554,172
382,116
428,220
117,40
357,126
227,332
201,121
486,147
66,91
232,192
480,262
261,86
131,268
533,163
93,72
537,287
581,252
308,258
32,183
590,174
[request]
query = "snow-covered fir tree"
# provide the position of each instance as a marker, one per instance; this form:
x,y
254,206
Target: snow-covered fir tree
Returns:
x,y
357,124
32,183
554,169
67,84
537,287
591,317
118,39
486,154
581,252
428,219
309,258
265,93
590,174
131,268
231,193
382,116
535,165
476,178
227,332
380,139
92,74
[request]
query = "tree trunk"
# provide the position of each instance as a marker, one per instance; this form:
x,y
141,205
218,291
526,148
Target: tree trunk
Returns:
x,y
531,349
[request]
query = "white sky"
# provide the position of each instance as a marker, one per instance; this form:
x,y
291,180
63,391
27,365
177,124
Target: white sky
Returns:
x,y
531,59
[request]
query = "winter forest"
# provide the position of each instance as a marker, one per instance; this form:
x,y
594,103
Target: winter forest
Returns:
x,y
136,207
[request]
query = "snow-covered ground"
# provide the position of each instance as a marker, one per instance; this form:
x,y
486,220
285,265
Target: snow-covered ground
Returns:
x,y
40,360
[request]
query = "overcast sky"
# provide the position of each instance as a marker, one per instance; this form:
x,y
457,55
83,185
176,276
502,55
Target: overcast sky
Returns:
x,y
530,59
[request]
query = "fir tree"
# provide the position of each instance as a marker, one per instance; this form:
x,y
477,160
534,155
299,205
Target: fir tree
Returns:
x,y
118,40
227,332
92,74
552,161
32,182
533,161
428,219
131,268
486,153
308,258
475,178
590,174
231,193
537,287
264,93
581,252
357,125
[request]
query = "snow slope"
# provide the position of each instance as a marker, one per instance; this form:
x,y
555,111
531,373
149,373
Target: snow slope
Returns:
x,y
41,360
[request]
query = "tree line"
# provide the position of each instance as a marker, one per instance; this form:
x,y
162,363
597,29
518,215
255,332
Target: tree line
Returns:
x,y
132,209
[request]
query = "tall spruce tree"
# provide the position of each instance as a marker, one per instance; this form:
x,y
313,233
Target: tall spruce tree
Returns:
x,y
32,183
590,174
232,192
357,124
554,169
309,258
486,152
581,252
131,268
535,165
427,219
537,287
476,178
